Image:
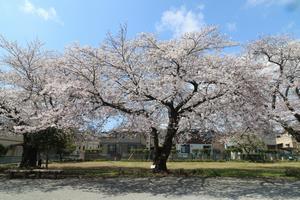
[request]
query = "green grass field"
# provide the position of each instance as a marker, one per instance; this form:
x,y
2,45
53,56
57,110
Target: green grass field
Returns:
x,y
179,165
289,170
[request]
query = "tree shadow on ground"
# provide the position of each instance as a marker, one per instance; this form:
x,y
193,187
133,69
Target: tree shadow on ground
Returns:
x,y
167,186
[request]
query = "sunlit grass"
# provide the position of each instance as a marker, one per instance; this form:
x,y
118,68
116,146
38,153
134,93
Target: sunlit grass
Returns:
x,y
133,169
179,165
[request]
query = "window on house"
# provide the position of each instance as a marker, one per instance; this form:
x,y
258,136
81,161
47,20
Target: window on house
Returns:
x,y
288,145
185,148
131,148
111,148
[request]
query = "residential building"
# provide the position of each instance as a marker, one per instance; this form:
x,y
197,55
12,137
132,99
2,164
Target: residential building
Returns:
x,y
277,146
204,146
117,145
86,143
286,142
270,141
13,142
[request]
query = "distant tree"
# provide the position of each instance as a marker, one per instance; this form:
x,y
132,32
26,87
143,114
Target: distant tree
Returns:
x,y
66,145
248,144
53,140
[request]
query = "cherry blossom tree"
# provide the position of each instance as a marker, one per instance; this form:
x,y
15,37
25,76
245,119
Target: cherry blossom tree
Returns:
x,y
279,58
34,96
179,84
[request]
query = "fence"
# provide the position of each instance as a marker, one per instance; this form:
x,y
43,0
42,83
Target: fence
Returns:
x,y
216,156
17,159
146,156
10,159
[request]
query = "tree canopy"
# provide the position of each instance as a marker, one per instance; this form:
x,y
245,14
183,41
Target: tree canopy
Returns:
x,y
179,85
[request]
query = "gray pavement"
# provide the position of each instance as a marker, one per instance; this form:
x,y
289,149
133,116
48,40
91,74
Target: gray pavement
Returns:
x,y
148,188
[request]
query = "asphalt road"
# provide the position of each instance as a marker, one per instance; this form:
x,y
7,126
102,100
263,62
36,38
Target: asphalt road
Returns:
x,y
148,189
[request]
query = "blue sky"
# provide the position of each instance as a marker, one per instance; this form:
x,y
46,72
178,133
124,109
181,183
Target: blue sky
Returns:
x,y
61,22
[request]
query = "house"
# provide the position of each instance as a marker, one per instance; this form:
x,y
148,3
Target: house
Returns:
x,y
272,146
203,146
87,146
13,142
270,141
117,145
282,145
193,149
286,141
14,145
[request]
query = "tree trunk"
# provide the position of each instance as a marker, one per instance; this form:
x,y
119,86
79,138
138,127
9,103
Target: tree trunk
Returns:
x,y
47,159
160,159
161,163
161,154
29,155
157,152
60,157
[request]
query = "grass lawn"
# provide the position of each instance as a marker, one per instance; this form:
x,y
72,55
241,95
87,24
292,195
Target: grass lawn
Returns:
x,y
179,165
289,170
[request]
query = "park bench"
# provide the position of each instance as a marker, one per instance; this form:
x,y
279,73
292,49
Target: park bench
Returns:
x,y
38,173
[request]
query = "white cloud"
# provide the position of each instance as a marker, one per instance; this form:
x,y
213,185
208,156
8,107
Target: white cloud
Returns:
x,y
252,3
28,7
180,21
231,26
45,14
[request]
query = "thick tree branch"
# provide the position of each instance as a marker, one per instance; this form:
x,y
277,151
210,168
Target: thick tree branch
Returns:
x,y
198,103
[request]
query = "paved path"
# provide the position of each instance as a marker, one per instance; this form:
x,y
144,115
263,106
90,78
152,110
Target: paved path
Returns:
x,y
147,189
